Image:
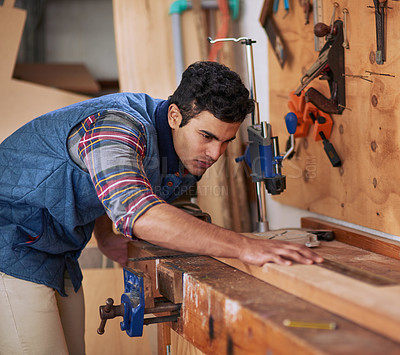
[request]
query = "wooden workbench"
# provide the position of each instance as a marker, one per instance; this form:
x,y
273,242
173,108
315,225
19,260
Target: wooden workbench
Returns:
x,y
226,310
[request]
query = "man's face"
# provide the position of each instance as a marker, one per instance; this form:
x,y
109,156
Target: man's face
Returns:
x,y
202,140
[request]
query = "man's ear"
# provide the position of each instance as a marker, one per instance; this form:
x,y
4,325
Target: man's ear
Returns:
x,y
174,116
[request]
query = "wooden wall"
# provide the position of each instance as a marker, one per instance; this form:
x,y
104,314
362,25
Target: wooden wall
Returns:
x,y
144,44
365,190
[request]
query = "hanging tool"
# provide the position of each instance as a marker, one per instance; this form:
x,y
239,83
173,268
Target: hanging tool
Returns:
x,y
380,24
307,8
330,151
330,66
274,37
222,30
177,8
308,114
324,235
285,4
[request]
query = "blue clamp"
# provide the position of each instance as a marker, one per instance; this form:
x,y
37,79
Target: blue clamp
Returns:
x,y
132,307
133,301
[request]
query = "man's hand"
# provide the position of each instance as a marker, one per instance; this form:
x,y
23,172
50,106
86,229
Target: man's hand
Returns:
x,y
259,252
112,245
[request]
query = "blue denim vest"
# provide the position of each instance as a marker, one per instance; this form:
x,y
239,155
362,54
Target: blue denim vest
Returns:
x,y
48,205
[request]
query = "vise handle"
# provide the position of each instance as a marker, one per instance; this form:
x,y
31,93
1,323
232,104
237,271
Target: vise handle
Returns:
x,y
109,311
162,305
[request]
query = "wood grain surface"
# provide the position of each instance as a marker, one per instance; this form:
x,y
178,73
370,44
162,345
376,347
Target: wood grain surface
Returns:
x,y
347,289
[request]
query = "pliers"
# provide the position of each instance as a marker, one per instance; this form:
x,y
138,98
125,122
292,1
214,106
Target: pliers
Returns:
x,y
285,3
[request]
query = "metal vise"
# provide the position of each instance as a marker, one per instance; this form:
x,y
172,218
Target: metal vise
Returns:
x,y
132,307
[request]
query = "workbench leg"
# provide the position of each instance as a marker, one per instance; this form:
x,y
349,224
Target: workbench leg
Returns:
x,y
164,338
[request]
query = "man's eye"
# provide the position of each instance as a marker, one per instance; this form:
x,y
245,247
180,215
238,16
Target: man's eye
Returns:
x,y
206,136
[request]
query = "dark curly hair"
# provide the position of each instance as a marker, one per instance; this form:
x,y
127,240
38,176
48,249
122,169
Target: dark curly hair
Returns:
x,y
212,87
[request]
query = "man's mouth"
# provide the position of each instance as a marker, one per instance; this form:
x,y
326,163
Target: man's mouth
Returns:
x,y
204,164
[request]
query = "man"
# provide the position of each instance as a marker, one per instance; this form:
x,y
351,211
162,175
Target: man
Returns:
x,y
122,157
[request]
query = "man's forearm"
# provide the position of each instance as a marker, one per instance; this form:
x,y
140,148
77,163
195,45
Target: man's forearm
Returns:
x,y
172,228
113,245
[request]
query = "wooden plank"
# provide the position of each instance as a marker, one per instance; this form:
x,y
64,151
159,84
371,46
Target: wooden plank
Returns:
x,y
12,25
70,77
164,338
145,46
356,238
366,138
139,44
225,310
220,191
36,99
360,301
180,346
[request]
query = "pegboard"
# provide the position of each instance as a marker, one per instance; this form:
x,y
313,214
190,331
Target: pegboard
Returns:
x,y
365,190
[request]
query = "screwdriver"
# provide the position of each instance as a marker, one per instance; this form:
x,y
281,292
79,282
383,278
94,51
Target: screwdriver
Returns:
x,y
330,151
328,146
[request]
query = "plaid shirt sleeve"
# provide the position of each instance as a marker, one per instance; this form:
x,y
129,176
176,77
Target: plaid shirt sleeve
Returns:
x,y
113,148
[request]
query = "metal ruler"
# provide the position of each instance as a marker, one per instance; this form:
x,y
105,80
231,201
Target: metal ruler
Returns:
x,y
318,17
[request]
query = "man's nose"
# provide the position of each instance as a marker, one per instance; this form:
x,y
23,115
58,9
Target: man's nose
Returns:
x,y
215,150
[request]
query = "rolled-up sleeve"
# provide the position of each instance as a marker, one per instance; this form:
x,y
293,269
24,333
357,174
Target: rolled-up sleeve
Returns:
x,y
113,148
